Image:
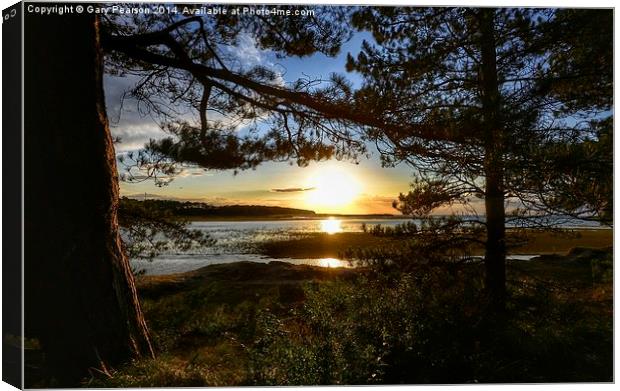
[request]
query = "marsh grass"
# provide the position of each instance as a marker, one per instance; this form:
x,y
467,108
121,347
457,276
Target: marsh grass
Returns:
x,y
323,245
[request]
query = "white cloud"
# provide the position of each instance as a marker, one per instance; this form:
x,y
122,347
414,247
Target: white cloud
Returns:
x,y
249,54
247,50
126,123
193,172
133,137
134,129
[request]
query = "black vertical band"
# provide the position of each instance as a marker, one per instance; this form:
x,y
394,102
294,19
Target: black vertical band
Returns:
x,y
12,359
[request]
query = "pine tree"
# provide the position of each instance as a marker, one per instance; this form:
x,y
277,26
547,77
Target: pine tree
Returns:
x,y
486,101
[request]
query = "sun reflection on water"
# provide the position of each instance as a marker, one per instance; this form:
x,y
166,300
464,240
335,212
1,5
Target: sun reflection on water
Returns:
x,y
331,226
331,262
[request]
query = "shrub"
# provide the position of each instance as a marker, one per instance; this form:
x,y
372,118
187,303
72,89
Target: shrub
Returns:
x,y
428,327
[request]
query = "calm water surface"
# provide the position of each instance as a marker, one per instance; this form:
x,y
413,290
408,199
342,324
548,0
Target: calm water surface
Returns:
x,y
237,241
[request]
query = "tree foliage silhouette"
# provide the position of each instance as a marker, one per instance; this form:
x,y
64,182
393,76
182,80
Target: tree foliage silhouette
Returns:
x,y
81,300
473,98
499,104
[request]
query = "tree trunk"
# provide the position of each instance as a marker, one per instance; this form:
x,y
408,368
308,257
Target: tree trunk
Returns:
x,y
495,251
80,295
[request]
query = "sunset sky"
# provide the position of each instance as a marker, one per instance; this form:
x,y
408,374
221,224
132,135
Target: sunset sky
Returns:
x,y
325,187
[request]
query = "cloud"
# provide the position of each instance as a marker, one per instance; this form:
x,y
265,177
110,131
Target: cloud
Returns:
x,y
131,123
134,129
134,137
293,189
247,50
248,54
193,172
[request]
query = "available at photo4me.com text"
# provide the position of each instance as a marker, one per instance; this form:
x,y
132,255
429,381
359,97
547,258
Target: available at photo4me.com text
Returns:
x,y
155,9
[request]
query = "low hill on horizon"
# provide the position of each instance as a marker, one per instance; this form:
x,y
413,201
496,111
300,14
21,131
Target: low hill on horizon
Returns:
x,y
202,210
191,209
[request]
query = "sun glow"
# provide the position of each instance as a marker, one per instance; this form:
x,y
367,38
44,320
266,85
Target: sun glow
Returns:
x,y
331,226
331,262
333,190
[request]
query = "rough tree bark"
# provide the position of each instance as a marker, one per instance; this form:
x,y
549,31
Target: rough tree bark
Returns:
x,y
495,250
80,296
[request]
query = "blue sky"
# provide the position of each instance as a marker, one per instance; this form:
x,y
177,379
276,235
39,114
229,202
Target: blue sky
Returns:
x,y
376,186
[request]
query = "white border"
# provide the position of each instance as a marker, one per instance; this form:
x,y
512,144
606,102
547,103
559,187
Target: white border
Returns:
x,y
530,3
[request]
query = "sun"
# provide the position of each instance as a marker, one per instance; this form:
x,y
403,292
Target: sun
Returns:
x,y
333,189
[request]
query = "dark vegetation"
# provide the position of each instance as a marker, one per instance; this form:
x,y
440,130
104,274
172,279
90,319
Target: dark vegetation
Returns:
x,y
502,105
322,245
381,323
153,227
196,210
492,101
280,324
192,210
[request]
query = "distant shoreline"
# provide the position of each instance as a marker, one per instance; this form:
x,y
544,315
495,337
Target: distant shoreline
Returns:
x,y
319,217
294,218
200,211
324,216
